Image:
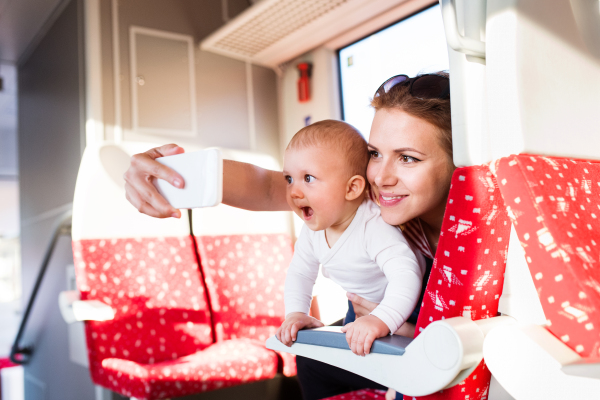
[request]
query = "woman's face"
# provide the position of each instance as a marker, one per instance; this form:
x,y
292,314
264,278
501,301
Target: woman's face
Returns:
x,y
409,170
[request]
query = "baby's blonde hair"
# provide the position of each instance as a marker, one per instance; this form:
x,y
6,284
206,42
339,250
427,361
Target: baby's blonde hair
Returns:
x,y
336,136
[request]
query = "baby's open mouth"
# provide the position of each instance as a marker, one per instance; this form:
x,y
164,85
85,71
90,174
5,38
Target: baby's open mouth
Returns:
x,y
307,212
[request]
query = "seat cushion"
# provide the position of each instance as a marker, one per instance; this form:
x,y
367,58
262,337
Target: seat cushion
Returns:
x,y
554,204
468,271
217,366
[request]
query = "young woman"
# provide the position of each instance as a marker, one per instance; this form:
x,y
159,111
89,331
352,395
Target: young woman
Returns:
x,y
409,172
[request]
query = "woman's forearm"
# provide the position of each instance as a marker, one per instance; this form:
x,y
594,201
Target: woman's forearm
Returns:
x,y
253,188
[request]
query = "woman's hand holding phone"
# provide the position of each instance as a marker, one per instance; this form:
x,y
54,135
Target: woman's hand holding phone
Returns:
x,y
139,188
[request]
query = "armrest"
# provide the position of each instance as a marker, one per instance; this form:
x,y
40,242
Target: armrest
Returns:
x,y
74,309
332,336
528,361
444,354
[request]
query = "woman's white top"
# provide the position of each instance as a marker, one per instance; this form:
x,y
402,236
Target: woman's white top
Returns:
x,y
371,259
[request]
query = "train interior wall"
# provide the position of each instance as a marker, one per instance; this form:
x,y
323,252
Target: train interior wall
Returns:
x,y
51,121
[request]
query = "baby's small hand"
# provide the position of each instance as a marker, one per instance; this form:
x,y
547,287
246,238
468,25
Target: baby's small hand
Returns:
x,y
288,331
361,333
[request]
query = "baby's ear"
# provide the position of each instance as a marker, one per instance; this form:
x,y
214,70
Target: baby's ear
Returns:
x,y
355,187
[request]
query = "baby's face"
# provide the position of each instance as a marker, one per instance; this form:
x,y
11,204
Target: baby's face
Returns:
x,y
316,185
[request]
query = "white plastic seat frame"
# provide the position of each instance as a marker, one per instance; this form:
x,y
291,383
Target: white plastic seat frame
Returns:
x,y
443,355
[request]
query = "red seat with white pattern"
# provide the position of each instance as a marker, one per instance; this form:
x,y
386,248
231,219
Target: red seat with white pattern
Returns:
x,y
468,271
554,205
160,342
244,256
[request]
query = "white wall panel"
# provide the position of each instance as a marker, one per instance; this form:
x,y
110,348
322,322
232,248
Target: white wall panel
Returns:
x,y
543,80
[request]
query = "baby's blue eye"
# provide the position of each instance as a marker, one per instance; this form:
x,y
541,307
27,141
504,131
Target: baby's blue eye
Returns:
x,y
289,179
309,178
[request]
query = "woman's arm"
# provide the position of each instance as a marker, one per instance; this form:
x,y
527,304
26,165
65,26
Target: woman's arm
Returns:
x,y
253,188
244,185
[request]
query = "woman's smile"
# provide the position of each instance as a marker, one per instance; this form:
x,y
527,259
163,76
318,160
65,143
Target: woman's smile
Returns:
x,y
390,199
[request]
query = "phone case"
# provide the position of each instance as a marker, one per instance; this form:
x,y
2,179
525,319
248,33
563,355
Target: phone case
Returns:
x,y
202,172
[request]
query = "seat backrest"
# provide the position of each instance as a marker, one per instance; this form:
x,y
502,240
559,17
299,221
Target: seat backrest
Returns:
x,y
244,256
143,267
468,270
554,204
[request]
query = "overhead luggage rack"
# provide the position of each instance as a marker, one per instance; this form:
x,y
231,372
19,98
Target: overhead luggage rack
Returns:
x,y
274,31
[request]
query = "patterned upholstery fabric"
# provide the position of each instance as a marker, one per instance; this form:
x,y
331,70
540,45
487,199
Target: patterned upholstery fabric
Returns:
x,y
157,345
368,394
245,276
468,270
218,366
554,204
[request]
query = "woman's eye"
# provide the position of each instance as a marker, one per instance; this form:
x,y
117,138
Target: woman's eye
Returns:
x,y
289,179
408,159
374,154
309,178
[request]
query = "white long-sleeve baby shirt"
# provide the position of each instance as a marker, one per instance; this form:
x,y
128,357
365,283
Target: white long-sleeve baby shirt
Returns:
x,y
371,259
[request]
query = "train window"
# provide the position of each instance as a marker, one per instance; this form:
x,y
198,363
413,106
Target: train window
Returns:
x,y
414,45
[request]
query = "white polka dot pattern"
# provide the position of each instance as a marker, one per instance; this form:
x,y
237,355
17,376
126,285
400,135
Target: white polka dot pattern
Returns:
x,y
218,366
554,204
245,277
468,270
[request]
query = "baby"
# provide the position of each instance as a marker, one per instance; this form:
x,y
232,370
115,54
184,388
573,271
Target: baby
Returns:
x,y
325,169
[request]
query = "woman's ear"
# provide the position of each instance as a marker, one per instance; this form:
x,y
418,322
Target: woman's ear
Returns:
x,y
355,187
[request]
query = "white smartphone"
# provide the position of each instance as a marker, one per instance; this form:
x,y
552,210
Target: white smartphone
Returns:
x,y
202,172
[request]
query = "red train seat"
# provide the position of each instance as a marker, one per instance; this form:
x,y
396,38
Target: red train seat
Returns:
x,y
160,343
554,206
468,271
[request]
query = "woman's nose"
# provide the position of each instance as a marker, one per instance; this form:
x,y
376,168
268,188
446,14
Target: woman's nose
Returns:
x,y
386,175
